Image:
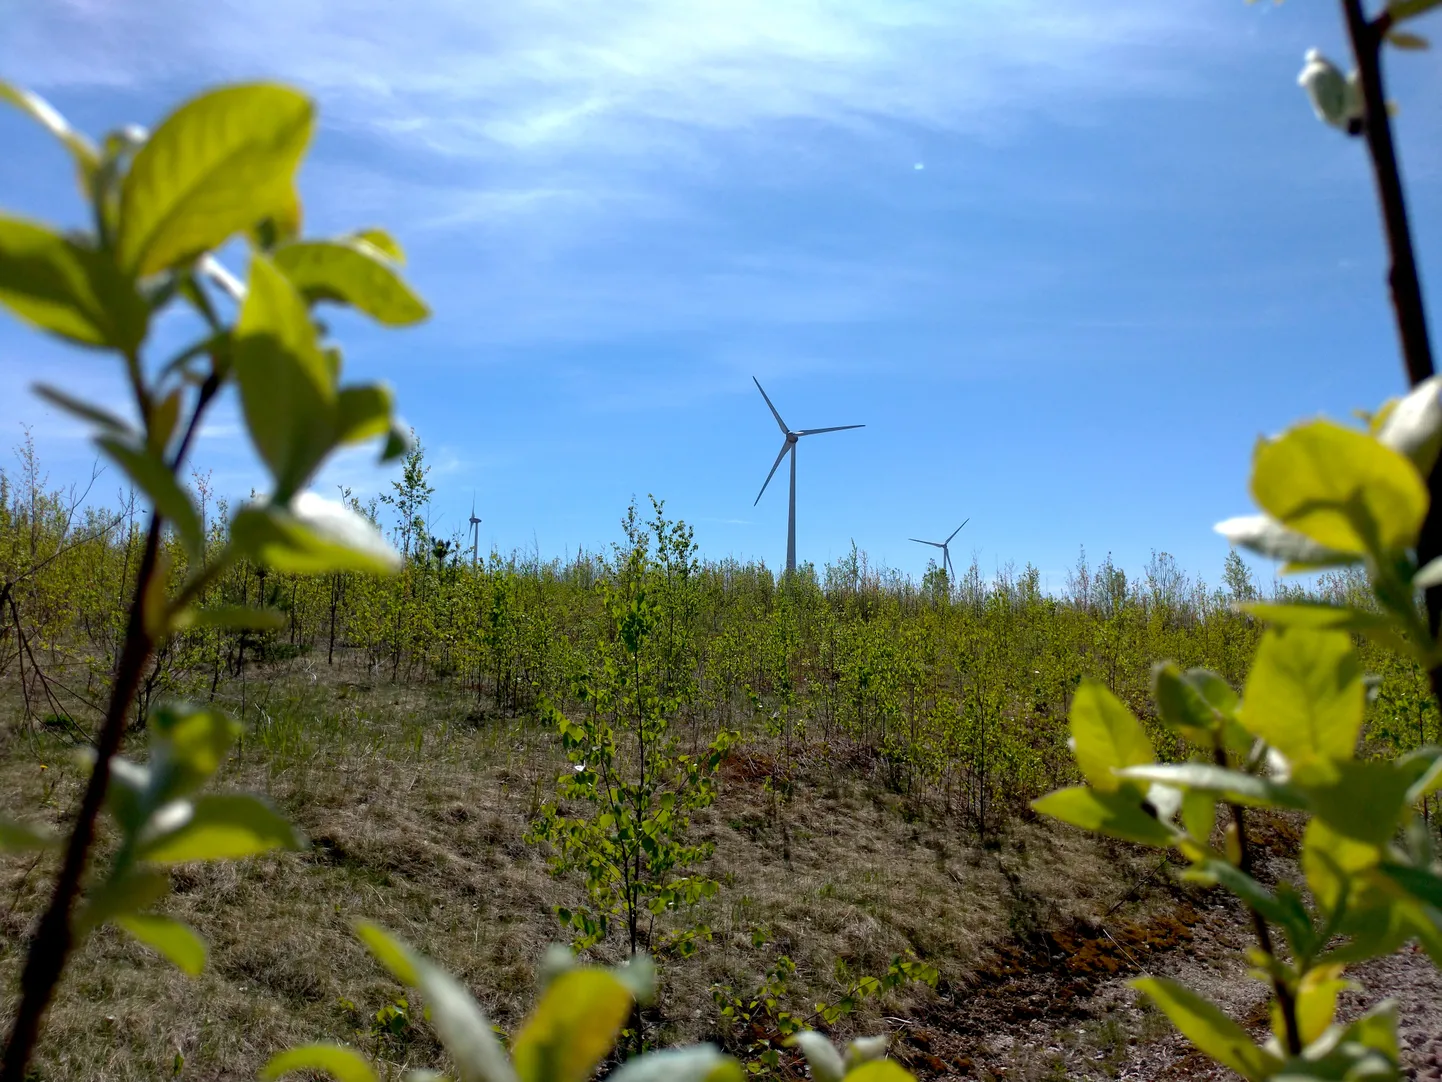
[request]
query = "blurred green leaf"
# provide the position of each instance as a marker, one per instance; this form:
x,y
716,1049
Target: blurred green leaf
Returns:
x,y
130,893
1305,695
216,166
1318,615
1410,9
1364,800
57,285
1424,885
459,1021
189,746
572,1028
698,1063
1401,39
286,387
1268,537
1340,487
174,940
880,1070
1213,1033
382,242
821,1055
365,412
1117,813
313,534
354,273
16,837
82,150
85,410
1233,786
1196,703
151,475
1106,735
216,826
1316,1002
341,1062
231,617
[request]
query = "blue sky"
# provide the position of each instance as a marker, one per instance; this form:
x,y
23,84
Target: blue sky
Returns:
x,y
1065,260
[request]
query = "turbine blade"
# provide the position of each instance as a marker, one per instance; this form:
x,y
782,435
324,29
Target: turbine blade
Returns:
x,y
780,423
933,544
833,428
957,530
784,448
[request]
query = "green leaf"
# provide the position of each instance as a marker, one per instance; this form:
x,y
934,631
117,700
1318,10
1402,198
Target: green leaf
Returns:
x,y
231,617
87,158
216,826
1317,615
16,837
130,893
1316,1002
1305,695
171,938
189,746
1183,703
218,165
1233,786
697,1063
1117,813
1330,861
1420,883
389,952
1365,800
382,242
459,1021
1412,425
150,474
339,1061
1268,537
57,285
880,1070
1199,814
572,1028
354,273
821,1055
1377,1029
313,534
365,412
286,387
1410,9
1403,40
1106,735
1285,910
85,410
1213,1033
1340,487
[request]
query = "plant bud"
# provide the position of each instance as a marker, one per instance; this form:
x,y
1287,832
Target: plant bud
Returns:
x,y
1336,98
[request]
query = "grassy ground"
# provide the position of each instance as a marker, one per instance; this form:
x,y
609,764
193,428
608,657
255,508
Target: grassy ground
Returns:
x,y
416,806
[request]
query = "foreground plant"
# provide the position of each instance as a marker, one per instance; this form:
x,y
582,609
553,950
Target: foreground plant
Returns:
x,y
222,165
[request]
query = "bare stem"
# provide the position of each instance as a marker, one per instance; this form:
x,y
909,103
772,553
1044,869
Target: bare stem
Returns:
x,y
1403,280
54,937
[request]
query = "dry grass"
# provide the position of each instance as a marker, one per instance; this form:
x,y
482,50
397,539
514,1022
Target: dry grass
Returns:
x,y
416,807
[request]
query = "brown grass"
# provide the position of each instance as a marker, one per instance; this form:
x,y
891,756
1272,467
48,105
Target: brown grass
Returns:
x,y
416,810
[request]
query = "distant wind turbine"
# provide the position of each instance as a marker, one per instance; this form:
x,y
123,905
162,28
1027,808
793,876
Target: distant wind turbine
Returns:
x,y
945,550
790,446
475,531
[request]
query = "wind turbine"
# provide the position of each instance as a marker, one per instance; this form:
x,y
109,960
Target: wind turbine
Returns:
x,y
945,551
475,530
790,446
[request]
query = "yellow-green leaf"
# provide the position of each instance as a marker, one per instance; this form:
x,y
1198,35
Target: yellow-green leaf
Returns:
x,y
82,150
1403,40
312,534
365,412
151,475
1204,1024
131,893
16,837
216,826
71,290
216,166
1117,813
341,1062
1305,695
1342,488
287,389
880,1070
188,747
1316,1003
351,272
572,1028
171,938
233,617
389,952
382,242
1106,735
697,1063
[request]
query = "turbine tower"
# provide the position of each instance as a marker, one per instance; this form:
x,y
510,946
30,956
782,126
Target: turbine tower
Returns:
x,y
789,446
945,547
475,530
